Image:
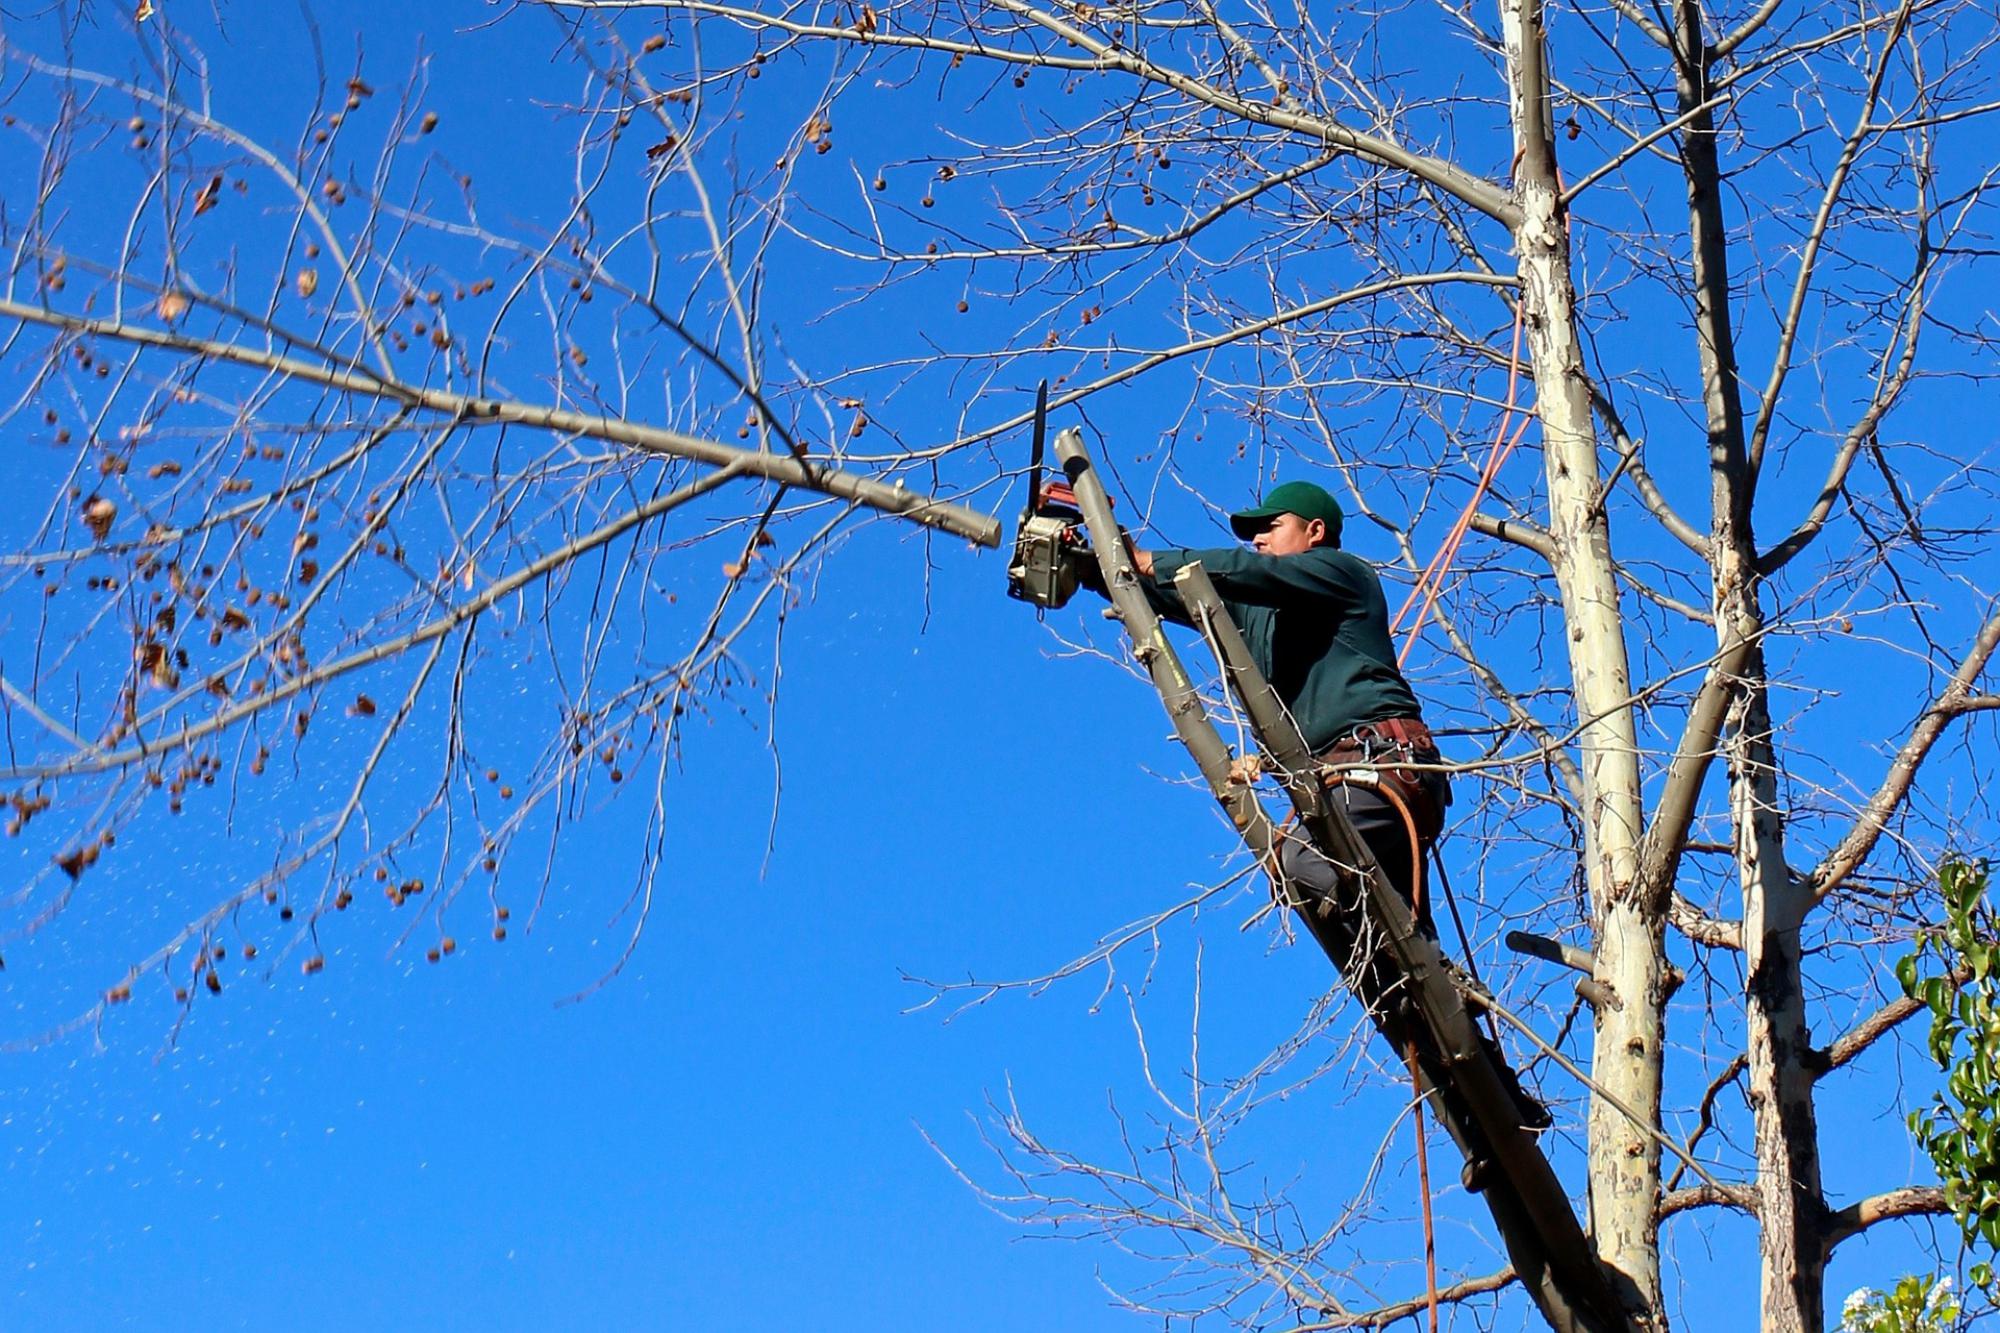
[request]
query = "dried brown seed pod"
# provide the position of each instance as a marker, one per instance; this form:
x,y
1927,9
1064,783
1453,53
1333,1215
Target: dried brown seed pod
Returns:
x,y
98,515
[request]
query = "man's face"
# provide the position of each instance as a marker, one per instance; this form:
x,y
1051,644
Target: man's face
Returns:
x,y
1288,534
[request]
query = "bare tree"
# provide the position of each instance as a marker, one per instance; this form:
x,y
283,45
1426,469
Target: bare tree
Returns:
x,y
307,503
1728,259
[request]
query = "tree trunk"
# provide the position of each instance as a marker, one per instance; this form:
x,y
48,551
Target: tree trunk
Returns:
x,y
1790,1205
1624,1158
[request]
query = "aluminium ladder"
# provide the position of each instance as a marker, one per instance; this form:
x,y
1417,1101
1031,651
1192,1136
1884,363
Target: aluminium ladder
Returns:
x,y
1368,932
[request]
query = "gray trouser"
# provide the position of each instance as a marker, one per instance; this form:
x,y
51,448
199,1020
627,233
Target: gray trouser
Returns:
x,y
1369,970
1387,836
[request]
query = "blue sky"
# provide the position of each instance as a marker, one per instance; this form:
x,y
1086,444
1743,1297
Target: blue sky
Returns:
x,y
738,1130
727,1134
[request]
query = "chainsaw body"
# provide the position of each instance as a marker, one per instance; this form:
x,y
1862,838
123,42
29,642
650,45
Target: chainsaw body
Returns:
x,y
1051,545
1048,546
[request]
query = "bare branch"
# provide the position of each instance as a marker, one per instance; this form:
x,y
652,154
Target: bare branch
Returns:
x,y
1631,463
1781,359
1238,333
1512,530
1955,701
1868,1031
100,759
1743,1198
1644,22
1704,1116
1910,1201
1702,928
1640,145
1481,194
1386,1315
1694,753
1747,29
472,410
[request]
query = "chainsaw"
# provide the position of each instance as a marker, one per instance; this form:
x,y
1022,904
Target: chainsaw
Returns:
x,y
1050,543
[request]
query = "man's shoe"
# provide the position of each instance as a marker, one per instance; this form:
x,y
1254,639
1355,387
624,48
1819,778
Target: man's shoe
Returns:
x,y
1535,1117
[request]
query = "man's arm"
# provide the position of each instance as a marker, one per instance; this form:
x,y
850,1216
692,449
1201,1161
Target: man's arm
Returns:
x,y
1264,580
1160,595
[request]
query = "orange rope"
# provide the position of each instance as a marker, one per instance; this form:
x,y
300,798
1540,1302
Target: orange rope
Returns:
x,y
1402,808
1431,582
1424,1185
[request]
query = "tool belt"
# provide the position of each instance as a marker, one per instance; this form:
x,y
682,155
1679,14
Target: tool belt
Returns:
x,y
1405,738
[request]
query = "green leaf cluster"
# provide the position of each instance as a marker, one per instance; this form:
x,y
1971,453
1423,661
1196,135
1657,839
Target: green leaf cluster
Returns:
x,y
1960,1128
1914,1305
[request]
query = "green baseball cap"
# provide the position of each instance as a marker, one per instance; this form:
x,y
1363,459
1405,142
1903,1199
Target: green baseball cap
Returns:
x,y
1292,497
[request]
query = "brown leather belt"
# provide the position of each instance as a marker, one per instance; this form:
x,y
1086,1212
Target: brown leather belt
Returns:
x,y
1405,738
1389,733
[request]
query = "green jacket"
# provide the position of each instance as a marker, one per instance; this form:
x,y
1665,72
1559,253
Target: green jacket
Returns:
x,y
1316,624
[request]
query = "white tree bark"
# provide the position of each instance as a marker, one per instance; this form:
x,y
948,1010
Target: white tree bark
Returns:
x,y
1624,1159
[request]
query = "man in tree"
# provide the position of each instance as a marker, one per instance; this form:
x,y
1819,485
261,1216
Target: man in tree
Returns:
x,y
1317,626
1316,623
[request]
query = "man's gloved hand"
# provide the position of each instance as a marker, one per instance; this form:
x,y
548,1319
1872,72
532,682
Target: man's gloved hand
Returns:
x,y
1246,769
1142,560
